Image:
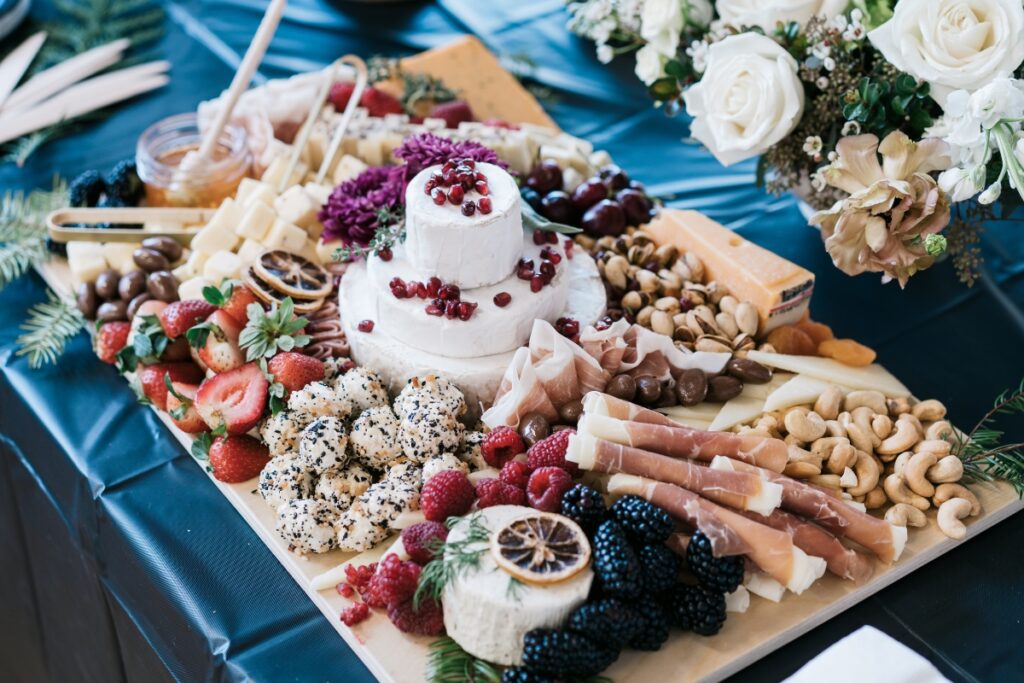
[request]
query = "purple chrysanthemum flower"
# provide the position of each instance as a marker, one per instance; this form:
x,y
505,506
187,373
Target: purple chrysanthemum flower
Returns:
x,y
353,209
423,150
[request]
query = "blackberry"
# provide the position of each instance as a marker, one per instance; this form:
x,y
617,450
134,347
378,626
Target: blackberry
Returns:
x,y
520,674
585,506
642,520
607,621
615,564
659,568
698,609
654,625
723,574
565,654
86,189
123,182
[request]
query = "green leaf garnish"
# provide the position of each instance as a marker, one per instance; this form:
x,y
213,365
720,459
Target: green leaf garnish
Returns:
x,y
534,221
269,332
201,446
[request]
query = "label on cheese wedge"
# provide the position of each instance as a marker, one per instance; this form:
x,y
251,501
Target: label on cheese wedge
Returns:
x,y
780,289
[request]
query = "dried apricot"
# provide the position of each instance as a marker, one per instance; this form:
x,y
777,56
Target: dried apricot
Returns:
x,y
847,351
818,332
791,340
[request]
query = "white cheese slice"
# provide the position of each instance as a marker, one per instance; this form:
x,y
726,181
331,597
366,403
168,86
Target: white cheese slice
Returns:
x,y
868,377
797,391
256,222
737,601
739,410
762,391
765,586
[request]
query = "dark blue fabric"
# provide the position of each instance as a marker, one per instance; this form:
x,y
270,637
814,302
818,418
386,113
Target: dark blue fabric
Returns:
x,y
125,563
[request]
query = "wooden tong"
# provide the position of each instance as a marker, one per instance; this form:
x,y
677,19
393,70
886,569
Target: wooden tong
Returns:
x,y
57,222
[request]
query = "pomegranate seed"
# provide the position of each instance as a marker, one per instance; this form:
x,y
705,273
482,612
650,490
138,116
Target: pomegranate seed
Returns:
x,y
484,204
437,194
434,309
348,365
502,299
434,286
468,208
451,309
448,166
400,292
481,187
450,293
429,186
538,237
449,178
549,255
455,194
384,253
355,614
547,271
567,327
536,283
421,290
568,248
345,590
466,309
468,163
365,326
436,178
552,237
396,282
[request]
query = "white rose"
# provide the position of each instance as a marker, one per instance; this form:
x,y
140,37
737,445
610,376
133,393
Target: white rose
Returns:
x,y
661,22
749,98
953,44
648,64
766,13
699,12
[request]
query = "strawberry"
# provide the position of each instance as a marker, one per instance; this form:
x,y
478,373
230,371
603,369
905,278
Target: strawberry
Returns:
x,y
453,113
378,103
111,338
233,298
151,377
234,400
216,339
235,459
178,317
295,370
181,407
341,93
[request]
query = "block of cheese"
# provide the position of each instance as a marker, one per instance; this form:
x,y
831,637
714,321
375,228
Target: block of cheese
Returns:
x,y
781,290
250,251
284,235
256,221
319,193
250,190
222,265
216,236
295,205
193,289
119,255
370,150
275,172
347,168
86,260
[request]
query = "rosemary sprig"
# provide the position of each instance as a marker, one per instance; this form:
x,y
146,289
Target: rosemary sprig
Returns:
x,y
449,663
49,327
454,558
981,450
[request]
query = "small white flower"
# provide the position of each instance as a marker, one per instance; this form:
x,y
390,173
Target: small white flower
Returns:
x,y
698,54
854,34
822,82
812,145
856,15
818,181
851,128
605,53
991,193
839,22
821,50
832,156
648,64
829,64
962,184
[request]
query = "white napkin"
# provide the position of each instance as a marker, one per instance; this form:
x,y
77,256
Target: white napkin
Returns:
x,y
867,654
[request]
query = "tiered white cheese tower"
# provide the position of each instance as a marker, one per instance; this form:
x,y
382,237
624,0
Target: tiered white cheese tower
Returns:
x,y
487,255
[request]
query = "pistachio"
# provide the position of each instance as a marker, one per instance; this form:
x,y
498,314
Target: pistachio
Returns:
x,y
666,254
747,318
713,344
615,271
647,280
682,270
695,265
728,304
683,334
727,324
634,301
643,318
668,304
661,322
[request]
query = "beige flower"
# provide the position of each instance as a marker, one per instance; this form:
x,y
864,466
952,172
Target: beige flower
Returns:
x,y
893,205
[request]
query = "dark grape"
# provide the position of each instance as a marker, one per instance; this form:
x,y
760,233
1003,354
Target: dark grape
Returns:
x,y
557,206
532,197
636,205
545,178
604,218
614,177
589,192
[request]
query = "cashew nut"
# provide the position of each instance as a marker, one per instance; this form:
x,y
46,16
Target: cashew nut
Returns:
x,y
945,492
768,424
830,481
902,514
859,438
929,410
907,417
868,473
950,514
829,402
801,470
806,427
881,425
901,462
898,492
915,473
833,428
905,437
938,431
872,399
842,457
792,440
862,417
875,499
938,447
898,406
947,471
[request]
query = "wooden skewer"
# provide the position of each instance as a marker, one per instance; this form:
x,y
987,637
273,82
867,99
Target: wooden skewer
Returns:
x,y
13,67
242,78
299,144
56,221
362,76
57,78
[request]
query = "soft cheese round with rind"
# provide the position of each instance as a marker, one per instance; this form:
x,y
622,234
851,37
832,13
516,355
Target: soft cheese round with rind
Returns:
x,y
470,251
487,619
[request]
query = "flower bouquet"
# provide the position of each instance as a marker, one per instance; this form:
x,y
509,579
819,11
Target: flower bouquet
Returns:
x,y
898,121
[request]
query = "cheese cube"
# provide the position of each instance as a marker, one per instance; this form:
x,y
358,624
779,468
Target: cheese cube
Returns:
x,y
222,265
599,158
275,172
256,221
119,255
319,193
316,147
309,252
565,157
250,191
347,169
245,189
193,289
213,238
325,250
571,179
249,252
284,235
371,151
296,206
182,272
86,261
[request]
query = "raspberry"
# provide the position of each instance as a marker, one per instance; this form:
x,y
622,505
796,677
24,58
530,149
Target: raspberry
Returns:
x,y
546,486
345,590
428,620
496,492
501,445
354,614
550,452
447,494
515,473
419,540
395,580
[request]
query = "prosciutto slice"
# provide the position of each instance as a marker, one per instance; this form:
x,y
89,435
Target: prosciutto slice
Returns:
x,y
741,490
596,403
883,539
730,533
678,441
634,350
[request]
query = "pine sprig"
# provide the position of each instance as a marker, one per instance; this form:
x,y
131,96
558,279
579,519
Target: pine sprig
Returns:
x,y
449,663
23,229
981,450
49,327
454,558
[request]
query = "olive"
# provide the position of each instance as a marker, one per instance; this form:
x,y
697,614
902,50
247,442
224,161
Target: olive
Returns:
x,y
747,370
133,305
622,386
724,388
106,284
131,285
648,389
162,285
87,300
692,387
111,311
534,427
570,412
164,245
150,260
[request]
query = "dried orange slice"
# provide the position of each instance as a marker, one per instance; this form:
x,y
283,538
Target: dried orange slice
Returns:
x,y
541,548
293,275
270,296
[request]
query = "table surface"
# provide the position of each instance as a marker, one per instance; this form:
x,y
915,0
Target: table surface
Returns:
x,y
189,592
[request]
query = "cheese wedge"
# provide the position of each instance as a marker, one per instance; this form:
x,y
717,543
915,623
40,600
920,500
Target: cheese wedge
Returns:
x,y
780,290
797,391
867,377
739,410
